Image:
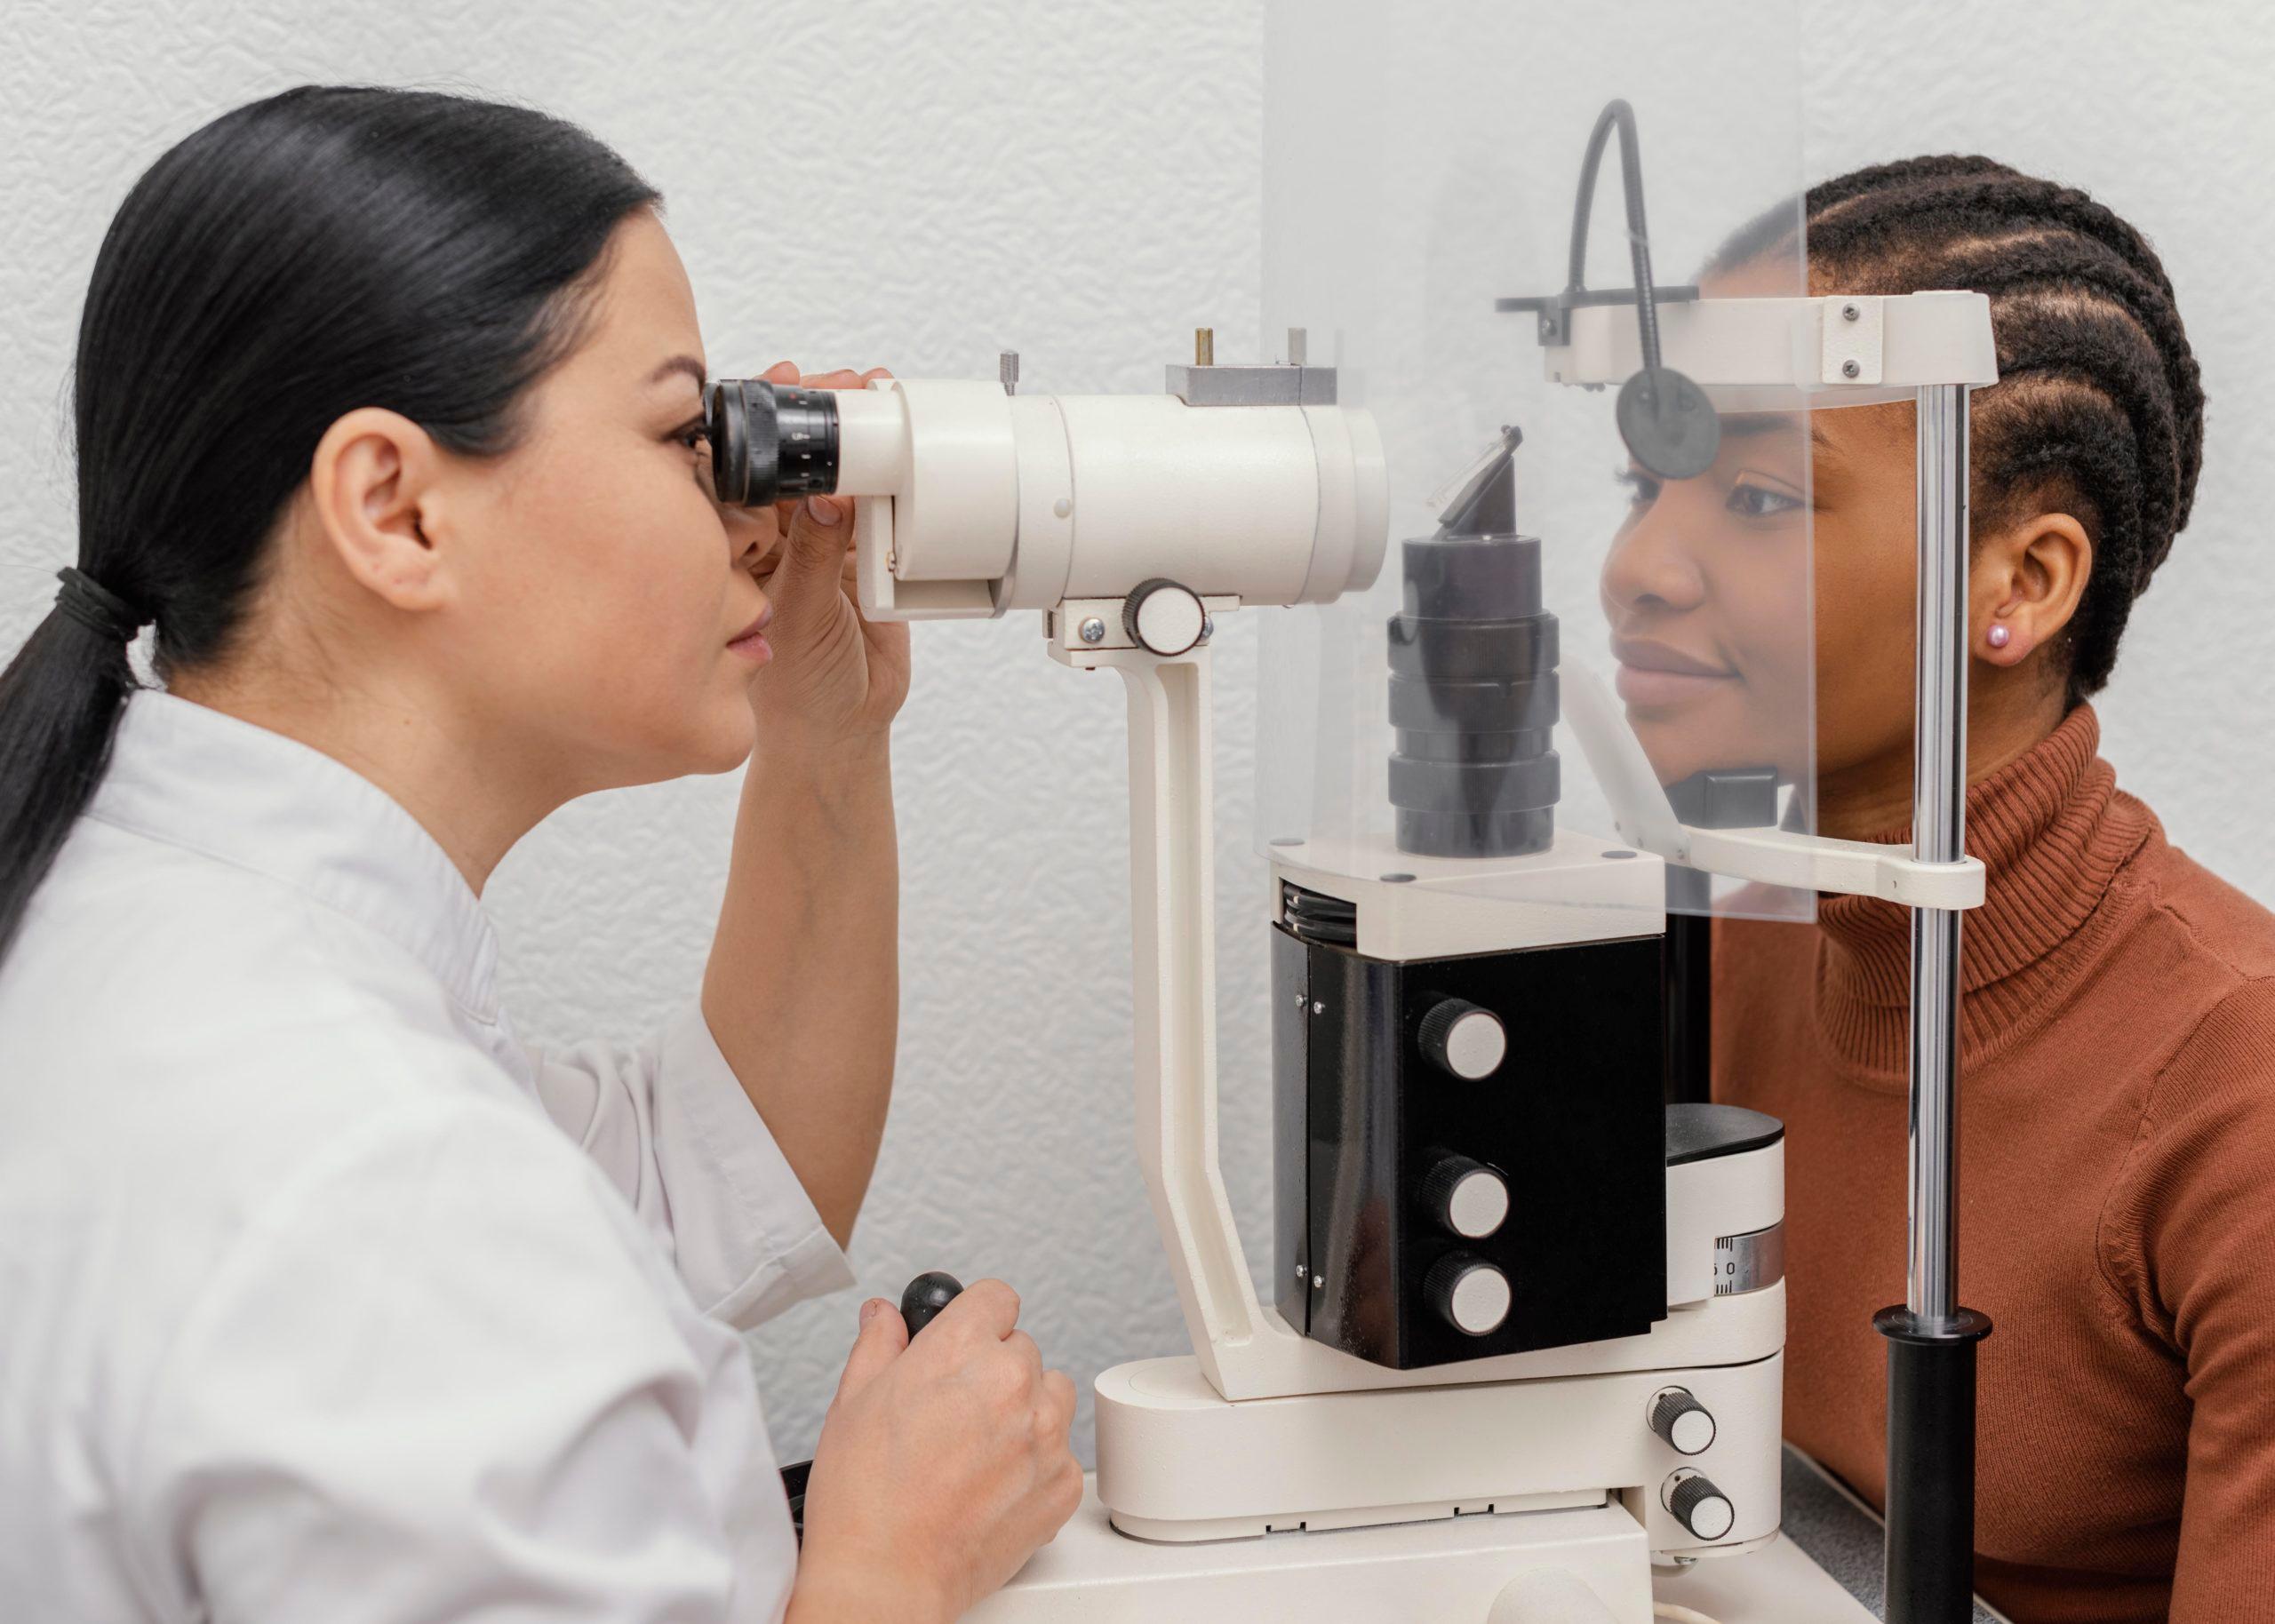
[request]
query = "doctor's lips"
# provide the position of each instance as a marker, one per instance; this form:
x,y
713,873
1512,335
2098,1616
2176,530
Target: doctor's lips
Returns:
x,y
1655,675
750,642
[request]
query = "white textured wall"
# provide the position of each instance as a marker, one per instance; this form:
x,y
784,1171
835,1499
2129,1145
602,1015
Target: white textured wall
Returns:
x,y
862,183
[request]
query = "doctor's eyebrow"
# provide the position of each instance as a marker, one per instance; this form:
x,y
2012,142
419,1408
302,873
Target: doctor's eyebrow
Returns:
x,y
689,364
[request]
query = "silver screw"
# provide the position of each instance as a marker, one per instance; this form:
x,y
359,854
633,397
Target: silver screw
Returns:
x,y
1850,368
1208,627
1319,1008
1319,1282
1094,630
1007,366
1302,1273
1299,345
1849,313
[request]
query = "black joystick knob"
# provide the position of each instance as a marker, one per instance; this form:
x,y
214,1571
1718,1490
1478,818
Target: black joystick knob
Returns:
x,y
926,1296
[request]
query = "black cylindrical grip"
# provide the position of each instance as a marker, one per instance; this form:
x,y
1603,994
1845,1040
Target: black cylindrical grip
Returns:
x,y
1930,1553
1473,699
1472,577
1457,649
1504,705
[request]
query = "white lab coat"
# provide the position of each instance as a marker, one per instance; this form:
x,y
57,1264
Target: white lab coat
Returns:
x,y
322,1298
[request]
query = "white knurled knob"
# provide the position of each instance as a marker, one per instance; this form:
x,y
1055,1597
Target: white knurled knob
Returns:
x,y
1465,1041
1469,1293
1678,1417
1163,616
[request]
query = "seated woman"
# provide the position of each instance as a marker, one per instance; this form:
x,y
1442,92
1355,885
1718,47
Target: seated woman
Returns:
x,y
2117,1175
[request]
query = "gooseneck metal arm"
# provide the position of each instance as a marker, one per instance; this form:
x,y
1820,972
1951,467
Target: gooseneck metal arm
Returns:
x,y
1618,115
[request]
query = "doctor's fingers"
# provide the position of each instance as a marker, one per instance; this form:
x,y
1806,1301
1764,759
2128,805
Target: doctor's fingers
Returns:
x,y
883,1335
1022,1347
1058,1404
984,1310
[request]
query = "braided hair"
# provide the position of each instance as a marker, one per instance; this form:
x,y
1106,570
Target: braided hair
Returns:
x,y
2099,407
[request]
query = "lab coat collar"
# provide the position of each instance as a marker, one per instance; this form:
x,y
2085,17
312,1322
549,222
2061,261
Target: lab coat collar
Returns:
x,y
197,778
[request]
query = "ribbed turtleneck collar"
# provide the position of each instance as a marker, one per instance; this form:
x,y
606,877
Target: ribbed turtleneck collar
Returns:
x,y
2052,832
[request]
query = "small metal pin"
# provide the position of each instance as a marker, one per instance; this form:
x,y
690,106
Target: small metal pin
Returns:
x,y
1299,345
1204,346
1007,366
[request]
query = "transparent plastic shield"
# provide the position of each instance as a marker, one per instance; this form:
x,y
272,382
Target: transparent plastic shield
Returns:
x,y
1592,630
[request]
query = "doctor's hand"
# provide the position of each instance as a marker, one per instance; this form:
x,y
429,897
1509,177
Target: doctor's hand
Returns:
x,y
837,678
943,1463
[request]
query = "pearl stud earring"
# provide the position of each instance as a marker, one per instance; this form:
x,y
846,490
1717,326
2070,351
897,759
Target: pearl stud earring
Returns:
x,y
2000,636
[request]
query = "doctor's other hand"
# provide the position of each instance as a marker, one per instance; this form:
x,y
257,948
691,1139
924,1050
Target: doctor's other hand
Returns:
x,y
943,1463
837,678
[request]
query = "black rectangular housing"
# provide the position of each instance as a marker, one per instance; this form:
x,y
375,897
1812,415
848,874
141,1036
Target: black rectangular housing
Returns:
x,y
1573,1120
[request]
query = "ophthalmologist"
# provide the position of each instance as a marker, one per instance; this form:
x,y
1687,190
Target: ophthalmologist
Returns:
x,y
322,1295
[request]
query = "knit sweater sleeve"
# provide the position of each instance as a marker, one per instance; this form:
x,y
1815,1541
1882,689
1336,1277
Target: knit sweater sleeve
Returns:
x,y
2188,1238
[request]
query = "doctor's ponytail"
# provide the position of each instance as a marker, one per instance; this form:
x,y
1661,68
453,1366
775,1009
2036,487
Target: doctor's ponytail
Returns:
x,y
328,248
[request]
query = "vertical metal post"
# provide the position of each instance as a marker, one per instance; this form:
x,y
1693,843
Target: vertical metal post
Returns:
x,y
1938,835
1930,1555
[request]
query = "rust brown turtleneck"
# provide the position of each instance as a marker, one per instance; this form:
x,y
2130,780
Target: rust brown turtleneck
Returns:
x,y
2117,1191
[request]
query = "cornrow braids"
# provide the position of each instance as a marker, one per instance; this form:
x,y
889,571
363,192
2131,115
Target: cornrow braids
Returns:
x,y
2099,404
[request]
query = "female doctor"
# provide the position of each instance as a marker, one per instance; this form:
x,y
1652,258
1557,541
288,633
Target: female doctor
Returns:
x,y
326,1297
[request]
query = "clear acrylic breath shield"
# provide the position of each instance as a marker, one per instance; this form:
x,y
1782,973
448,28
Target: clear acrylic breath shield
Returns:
x,y
1591,632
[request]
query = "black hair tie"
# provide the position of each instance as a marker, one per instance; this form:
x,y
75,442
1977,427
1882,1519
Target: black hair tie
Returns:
x,y
96,607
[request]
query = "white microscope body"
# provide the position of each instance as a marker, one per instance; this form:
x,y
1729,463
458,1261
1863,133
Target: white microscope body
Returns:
x,y
1131,523
1480,1462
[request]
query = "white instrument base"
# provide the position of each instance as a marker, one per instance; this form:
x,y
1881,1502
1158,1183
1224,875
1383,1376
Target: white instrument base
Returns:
x,y
1180,1463
1446,1572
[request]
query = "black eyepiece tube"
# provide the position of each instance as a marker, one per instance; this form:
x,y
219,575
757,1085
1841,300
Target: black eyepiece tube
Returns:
x,y
771,442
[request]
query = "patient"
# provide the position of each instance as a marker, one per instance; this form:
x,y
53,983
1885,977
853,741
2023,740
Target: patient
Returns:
x,y
2117,1027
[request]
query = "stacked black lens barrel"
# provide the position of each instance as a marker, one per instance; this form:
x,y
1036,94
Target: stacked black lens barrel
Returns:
x,y
1473,683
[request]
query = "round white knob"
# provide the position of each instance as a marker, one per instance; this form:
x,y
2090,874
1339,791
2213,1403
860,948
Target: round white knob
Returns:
x,y
1678,1417
1163,616
1467,1041
1471,1293
1699,1506
1467,1197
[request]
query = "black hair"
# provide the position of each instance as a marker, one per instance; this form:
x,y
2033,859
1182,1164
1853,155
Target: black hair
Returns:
x,y
2099,404
328,248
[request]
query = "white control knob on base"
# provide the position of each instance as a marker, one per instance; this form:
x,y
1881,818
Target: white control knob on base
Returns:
x,y
1164,618
1678,1417
1698,1505
1467,1041
1468,1292
1465,1195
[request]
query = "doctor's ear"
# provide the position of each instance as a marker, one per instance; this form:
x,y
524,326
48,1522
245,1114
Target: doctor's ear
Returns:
x,y
372,487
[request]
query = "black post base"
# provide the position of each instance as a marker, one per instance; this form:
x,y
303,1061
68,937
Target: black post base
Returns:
x,y
1930,1556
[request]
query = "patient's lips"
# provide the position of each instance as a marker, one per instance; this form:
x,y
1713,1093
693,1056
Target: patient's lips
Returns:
x,y
1653,674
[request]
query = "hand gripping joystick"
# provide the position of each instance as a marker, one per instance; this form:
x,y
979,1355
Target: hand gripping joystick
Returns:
x,y
919,1306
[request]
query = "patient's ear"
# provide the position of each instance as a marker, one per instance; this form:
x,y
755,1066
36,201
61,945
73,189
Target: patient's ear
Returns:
x,y
2027,580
